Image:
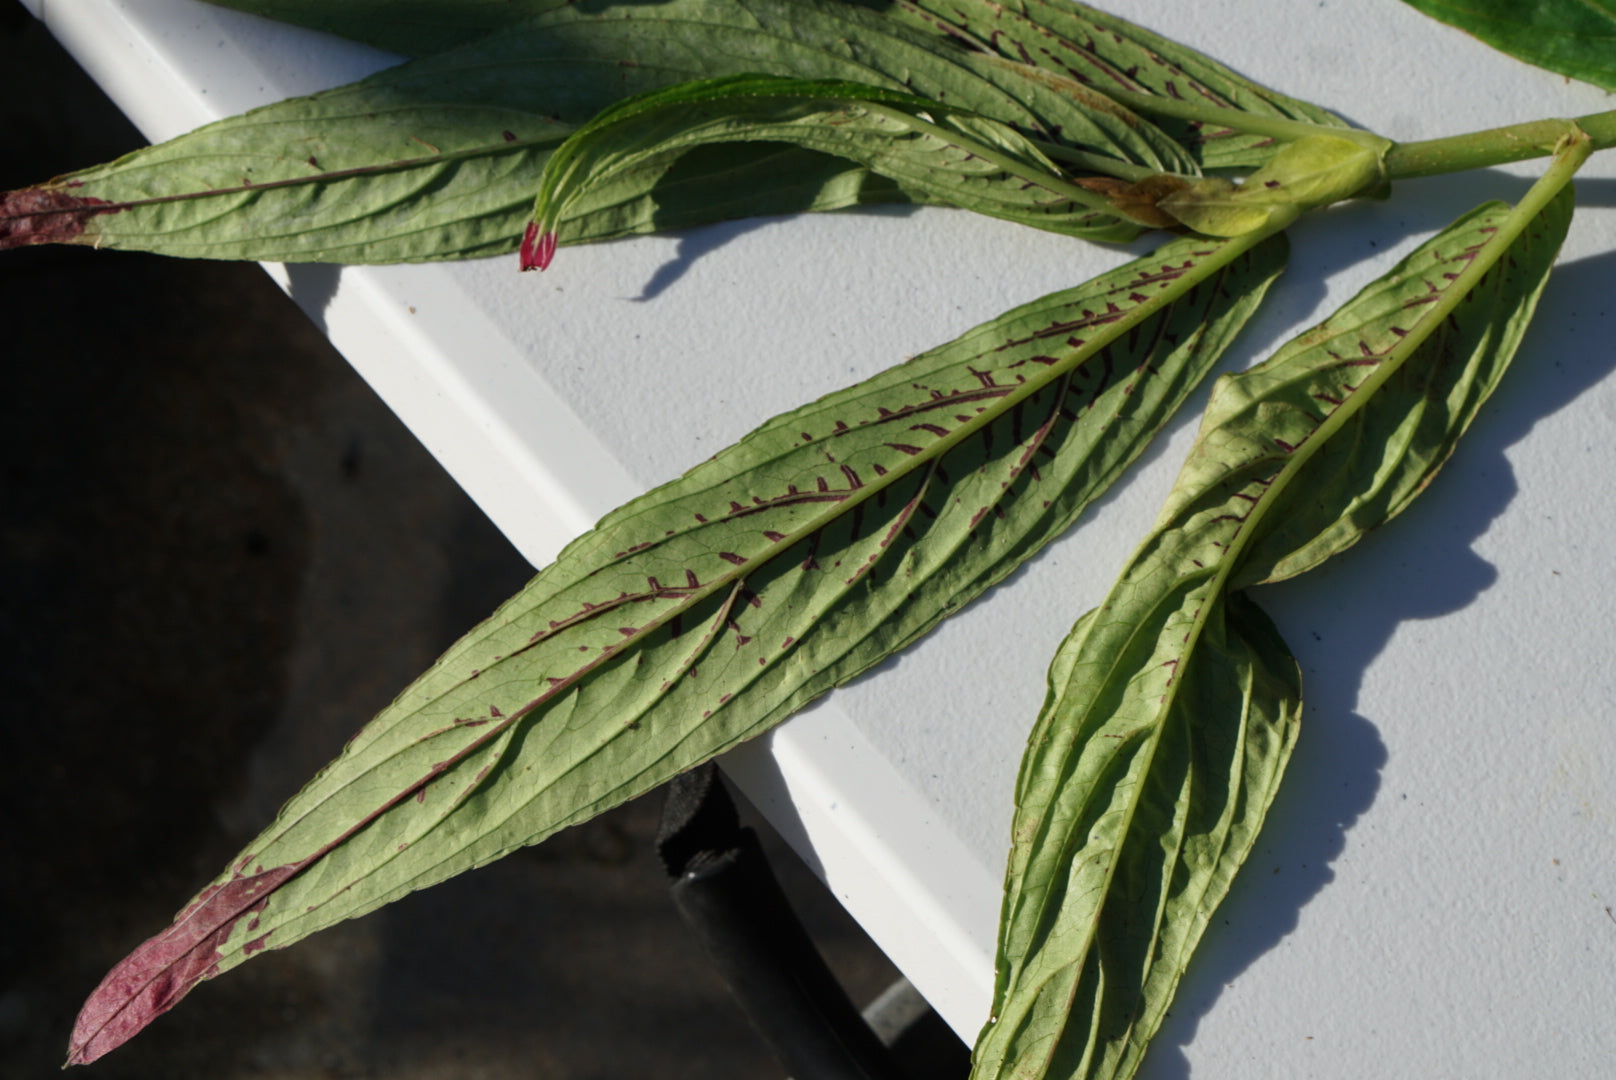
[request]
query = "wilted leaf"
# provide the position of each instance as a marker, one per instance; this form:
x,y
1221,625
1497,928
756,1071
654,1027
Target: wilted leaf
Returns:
x,y
960,159
440,157
1173,706
706,611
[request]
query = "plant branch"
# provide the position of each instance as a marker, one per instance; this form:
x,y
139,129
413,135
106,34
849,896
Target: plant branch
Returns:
x,y
1496,146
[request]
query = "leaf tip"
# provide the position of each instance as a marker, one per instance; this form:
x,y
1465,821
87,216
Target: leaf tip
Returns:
x,y
46,215
538,248
152,979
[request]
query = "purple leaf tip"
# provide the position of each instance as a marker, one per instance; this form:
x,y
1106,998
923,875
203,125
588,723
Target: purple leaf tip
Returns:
x,y
43,215
153,978
537,248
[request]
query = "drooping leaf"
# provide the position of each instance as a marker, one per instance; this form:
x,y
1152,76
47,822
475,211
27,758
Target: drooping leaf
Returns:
x,y
960,159
1173,705
440,157
1572,37
1112,54
710,609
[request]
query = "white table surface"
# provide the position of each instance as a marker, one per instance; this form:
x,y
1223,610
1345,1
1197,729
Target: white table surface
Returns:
x,y
1434,892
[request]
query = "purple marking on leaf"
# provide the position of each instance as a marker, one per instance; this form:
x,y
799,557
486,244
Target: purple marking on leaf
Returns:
x,y
46,216
701,519
852,477
772,536
904,448
935,429
788,642
508,136
731,557
152,979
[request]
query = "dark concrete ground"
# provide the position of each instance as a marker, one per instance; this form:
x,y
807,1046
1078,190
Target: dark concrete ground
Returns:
x,y
221,554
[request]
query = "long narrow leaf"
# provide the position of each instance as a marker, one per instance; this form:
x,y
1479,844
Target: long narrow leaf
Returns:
x,y
963,160
1173,706
706,611
440,157
1112,54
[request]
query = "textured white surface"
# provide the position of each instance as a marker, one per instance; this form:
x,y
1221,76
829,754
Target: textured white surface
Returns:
x,y
1433,895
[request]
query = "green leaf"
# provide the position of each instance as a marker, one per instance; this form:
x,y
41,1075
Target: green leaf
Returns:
x,y
1173,706
701,614
1573,37
439,158
948,156
1135,807
856,45
1115,56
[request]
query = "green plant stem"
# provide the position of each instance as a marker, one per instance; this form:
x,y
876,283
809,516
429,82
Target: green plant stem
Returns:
x,y
1403,161
1497,146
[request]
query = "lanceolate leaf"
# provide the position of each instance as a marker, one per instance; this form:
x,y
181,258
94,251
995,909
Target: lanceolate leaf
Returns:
x,y
706,611
1572,37
439,158
1173,705
965,160
1112,54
